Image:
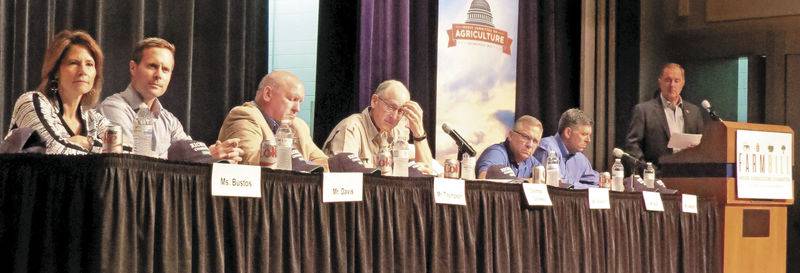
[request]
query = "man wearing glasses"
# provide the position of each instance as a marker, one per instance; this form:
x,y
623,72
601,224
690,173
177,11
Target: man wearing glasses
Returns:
x,y
516,152
574,135
391,114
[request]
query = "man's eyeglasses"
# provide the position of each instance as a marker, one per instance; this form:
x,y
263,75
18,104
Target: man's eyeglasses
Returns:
x,y
389,107
525,137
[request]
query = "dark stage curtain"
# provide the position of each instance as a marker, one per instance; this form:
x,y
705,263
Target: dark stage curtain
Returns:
x,y
221,50
389,39
397,39
112,213
548,61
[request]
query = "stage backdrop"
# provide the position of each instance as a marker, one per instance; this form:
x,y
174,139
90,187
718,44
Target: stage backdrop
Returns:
x,y
477,72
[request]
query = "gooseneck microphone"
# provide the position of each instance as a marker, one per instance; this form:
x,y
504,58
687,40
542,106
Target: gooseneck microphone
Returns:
x,y
463,145
619,153
706,105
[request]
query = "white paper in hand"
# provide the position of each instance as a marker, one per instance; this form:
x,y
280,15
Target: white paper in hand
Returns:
x,y
680,141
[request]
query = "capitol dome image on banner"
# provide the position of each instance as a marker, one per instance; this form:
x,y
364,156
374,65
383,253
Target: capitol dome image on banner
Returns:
x,y
477,72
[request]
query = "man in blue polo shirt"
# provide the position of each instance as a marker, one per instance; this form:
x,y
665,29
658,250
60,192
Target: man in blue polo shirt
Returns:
x,y
574,135
516,152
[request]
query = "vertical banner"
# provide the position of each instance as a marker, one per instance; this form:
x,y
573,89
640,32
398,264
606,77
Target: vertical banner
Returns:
x,y
477,72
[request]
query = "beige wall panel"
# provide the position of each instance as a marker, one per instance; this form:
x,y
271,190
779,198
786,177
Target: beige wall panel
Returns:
x,y
728,10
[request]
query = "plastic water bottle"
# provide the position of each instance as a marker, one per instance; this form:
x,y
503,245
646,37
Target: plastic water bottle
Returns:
x,y
284,138
400,157
553,170
618,175
467,167
143,132
650,176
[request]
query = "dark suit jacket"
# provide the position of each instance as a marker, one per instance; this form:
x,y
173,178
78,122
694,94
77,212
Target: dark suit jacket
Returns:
x,y
648,133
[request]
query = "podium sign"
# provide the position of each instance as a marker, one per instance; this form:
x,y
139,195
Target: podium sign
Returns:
x,y
763,165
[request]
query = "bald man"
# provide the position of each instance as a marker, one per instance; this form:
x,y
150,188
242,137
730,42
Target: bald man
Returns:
x,y
278,97
390,114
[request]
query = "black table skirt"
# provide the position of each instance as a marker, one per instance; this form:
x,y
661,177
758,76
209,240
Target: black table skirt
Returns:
x,y
125,213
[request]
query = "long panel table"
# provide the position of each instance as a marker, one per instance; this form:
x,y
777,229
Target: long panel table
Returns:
x,y
125,213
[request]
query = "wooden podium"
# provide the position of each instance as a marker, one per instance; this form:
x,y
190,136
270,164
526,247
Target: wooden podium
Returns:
x,y
753,238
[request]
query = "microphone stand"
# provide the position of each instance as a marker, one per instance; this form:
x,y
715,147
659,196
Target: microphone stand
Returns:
x,y
461,150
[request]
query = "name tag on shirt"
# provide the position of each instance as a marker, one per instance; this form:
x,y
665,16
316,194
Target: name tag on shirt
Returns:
x,y
598,198
449,191
537,194
235,180
689,203
342,187
652,201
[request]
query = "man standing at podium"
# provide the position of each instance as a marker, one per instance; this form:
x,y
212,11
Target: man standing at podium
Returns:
x,y
654,121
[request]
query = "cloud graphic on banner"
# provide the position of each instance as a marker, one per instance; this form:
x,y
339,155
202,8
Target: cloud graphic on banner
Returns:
x,y
480,125
505,115
474,74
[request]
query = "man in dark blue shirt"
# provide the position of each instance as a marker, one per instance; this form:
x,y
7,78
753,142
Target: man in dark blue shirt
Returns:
x,y
516,152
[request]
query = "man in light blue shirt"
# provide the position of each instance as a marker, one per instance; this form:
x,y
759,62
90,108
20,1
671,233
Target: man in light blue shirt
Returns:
x,y
574,135
151,67
516,152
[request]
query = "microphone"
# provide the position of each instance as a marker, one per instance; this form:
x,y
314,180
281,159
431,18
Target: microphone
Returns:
x,y
463,145
706,105
619,153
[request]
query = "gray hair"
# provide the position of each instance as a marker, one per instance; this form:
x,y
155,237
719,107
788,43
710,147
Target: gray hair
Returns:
x,y
670,65
385,85
527,120
573,117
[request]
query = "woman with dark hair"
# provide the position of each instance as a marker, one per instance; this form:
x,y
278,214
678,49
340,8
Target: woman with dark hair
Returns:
x,y
60,110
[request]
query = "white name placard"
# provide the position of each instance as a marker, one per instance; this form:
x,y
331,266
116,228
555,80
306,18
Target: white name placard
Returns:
x,y
449,191
342,187
689,203
537,194
763,165
235,180
598,198
652,201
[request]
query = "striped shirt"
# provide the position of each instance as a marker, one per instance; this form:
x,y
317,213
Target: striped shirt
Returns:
x,y
33,110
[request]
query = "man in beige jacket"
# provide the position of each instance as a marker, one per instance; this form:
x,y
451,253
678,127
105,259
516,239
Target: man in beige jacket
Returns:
x,y
278,97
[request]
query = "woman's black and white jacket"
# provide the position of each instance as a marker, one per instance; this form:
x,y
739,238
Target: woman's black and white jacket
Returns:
x,y
34,110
